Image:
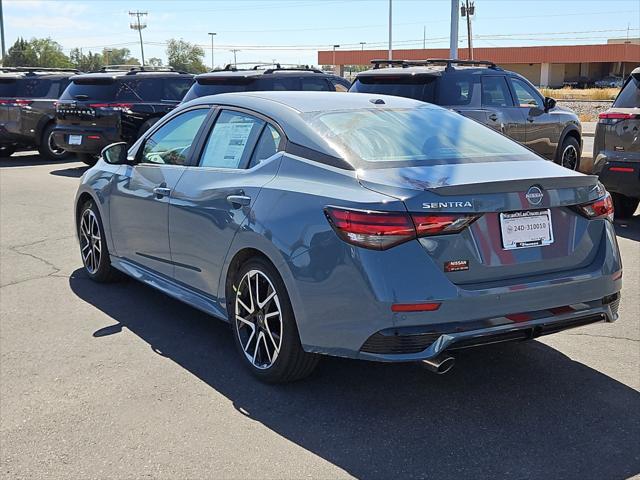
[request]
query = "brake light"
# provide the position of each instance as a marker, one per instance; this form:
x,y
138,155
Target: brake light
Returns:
x,y
601,208
120,106
20,102
621,169
617,116
415,307
4,102
383,230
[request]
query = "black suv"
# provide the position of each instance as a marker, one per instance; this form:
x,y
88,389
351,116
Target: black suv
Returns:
x,y
265,77
27,108
115,105
616,148
502,100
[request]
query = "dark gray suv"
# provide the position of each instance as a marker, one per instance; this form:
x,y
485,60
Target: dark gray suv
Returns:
x,y
502,100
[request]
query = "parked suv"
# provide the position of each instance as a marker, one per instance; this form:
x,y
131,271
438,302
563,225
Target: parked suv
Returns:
x,y
265,77
502,100
27,108
115,105
616,147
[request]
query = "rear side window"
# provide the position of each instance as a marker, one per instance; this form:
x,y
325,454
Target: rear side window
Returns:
x,y
204,89
8,87
176,88
495,92
267,145
418,87
37,88
231,140
455,89
340,85
103,89
316,84
629,96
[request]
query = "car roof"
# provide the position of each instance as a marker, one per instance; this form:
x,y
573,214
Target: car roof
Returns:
x,y
251,73
113,75
38,75
436,70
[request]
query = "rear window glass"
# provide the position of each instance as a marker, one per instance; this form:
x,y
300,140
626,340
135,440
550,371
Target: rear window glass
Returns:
x,y
277,83
8,87
203,89
629,97
378,138
419,87
176,88
89,91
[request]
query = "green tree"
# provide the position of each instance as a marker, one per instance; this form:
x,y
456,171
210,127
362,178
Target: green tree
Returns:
x,y
155,62
186,56
119,56
21,54
49,53
86,63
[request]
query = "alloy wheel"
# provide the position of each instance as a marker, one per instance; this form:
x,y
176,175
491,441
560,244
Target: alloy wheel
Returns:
x,y
90,241
570,157
54,148
258,319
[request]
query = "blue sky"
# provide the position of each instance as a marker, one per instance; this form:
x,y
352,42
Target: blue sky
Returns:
x,y
291,31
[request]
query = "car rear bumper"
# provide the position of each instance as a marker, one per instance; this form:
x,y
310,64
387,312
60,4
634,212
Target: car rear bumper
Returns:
x,y
620,174
9,137
93,140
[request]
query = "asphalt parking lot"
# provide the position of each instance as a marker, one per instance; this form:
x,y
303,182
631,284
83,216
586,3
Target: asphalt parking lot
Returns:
x,y
120,381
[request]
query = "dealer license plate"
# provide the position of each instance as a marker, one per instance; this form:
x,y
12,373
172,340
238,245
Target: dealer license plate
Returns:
x,y
75,139
526,229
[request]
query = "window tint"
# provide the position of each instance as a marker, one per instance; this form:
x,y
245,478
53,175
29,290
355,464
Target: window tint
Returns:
x,y
409,137
495,92
176,88
8,87
455,90
266,147
268,83
420,87
318,84
140,90
170,145
204,89
36,88
629,97
525,95
90,90
231,140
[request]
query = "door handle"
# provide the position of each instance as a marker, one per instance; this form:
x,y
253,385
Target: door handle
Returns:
x,y
162,191
238,201
493,117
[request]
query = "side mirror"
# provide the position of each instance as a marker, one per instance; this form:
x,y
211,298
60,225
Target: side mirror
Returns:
x,y
115,154
549,103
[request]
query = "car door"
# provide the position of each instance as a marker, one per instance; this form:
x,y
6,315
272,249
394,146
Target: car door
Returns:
x,y
214,197
139,207
500,112
540,128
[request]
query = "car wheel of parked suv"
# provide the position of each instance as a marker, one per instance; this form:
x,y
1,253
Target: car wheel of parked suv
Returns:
x,y
264,326
569,154
93,247
48,148
623,206
6,151
87,158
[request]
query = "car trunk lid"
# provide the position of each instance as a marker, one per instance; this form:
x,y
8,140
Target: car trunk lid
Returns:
x,y
89,102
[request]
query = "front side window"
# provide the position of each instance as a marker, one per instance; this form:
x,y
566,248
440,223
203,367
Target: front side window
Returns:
x,y
629,96
231,140
171,143
526,96
379,138
495,92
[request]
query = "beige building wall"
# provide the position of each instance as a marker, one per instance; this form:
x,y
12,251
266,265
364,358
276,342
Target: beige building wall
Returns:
x,y
529,71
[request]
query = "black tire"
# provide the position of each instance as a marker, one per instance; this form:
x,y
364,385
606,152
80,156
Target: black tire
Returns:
x,y
290,362
7,150
568,155
146,126
623,206
88,225
87,158
48,148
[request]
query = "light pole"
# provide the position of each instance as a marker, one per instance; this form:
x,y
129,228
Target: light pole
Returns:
x,y
139,26
390,24
334,55
213,34
362,44
453,36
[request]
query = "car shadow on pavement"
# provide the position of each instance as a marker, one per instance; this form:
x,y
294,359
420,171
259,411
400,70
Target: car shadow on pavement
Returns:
x,y
517,410
31,160
74,172
629,228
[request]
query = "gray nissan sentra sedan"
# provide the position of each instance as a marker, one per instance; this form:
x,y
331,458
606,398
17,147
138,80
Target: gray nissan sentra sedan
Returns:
x,y
363,226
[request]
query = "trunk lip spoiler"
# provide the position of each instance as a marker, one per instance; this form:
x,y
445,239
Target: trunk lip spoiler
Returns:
x,y
497,186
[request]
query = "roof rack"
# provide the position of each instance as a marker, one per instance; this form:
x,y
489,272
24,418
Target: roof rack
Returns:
x,y
449,62
133,69
38,69
272,67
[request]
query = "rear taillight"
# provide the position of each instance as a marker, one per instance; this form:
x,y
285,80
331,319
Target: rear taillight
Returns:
x,y
601,208
20,102
382,230
617,116
116,106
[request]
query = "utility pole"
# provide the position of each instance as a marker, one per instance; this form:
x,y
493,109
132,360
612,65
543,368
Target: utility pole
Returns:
x,y
334,56
213,34
362,44
390,30
235,62
453,36
2,31
137,25
467,10
424,37
107,51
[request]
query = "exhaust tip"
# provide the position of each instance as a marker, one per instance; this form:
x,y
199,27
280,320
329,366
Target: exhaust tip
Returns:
x,y
440,365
